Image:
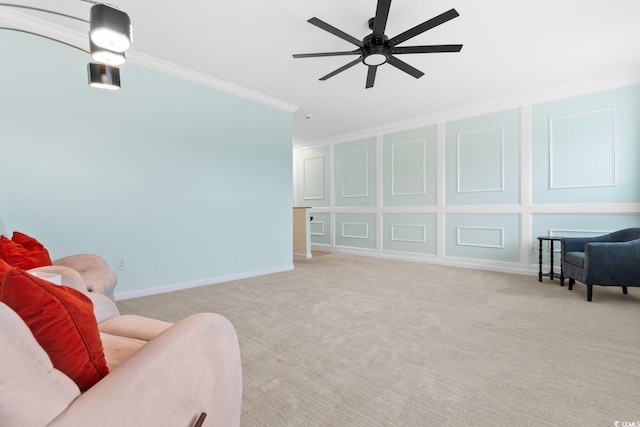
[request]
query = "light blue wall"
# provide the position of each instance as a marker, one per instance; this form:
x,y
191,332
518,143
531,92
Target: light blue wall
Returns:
x,y
356,230
320,228
356,173
485,236
312,177
406,232
586,149
410,167
478,190
184,182
483,159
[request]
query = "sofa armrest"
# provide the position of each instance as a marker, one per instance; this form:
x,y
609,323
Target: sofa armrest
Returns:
x,y
70,277
192,367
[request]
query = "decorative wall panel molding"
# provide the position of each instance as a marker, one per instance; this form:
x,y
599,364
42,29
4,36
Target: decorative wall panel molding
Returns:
x,y
313,178
481,160
355,230
475,236
317,228
408,233
577,233
408,168
582,149
355,173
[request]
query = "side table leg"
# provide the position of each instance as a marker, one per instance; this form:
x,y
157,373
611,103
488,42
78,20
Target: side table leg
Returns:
x,y
540,261
551,259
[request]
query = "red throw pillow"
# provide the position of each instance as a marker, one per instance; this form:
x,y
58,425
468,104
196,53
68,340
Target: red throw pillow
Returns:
x,y
4,267
62,321
23,251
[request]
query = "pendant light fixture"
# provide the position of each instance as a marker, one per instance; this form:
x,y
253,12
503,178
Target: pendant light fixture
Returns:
x,y
109,38
103,76
110,28
106,56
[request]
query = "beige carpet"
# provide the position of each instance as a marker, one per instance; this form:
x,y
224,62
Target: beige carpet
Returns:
x,y
355,341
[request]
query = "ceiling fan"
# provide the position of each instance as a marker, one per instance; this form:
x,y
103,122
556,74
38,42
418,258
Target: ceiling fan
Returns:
x,y
377,49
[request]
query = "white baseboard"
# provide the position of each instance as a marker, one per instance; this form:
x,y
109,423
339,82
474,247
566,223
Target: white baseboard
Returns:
x,y
193,284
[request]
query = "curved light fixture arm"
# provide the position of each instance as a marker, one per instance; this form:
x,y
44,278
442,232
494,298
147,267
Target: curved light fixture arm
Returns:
x,y
45,11
45,37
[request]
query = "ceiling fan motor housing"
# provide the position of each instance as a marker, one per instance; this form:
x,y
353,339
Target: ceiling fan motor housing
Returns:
x,y
375,50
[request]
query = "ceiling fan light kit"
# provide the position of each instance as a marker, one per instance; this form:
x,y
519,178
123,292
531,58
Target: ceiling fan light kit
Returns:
x,y
377,49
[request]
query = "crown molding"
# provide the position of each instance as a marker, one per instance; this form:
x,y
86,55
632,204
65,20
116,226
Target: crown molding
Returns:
x,y
27,22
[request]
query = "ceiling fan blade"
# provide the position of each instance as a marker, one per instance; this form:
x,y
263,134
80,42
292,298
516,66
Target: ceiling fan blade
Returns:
x,y
315,55
341,69
371,76
427,49
336,32
380,20
401,65
427,25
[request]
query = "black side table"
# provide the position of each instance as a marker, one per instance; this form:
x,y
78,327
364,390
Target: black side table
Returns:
x,y
550,274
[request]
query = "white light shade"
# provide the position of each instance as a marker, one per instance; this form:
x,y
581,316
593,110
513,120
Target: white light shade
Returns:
x,y
110,28
375,59
106,56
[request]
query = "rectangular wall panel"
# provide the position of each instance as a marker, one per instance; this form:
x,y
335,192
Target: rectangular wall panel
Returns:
x,y
320,228
409,232
408,171
588,139
585,149
482,159
483,236
409,167
356,230
356,173
312,177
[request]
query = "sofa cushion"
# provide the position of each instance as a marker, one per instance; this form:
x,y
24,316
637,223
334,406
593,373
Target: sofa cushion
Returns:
x,y
133,326
23,251
118,350
32,391
575,258
62,321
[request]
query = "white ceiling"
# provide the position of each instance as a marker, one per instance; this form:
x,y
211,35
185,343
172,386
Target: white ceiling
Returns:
x,y
512,48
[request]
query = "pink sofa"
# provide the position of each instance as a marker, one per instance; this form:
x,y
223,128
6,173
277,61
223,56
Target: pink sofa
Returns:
x,y
160,373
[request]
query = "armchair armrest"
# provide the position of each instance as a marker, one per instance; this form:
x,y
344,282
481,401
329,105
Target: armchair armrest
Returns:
x,y
612,263
192,367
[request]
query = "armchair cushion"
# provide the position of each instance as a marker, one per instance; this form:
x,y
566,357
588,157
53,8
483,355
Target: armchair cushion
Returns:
x,y
575,258
63,323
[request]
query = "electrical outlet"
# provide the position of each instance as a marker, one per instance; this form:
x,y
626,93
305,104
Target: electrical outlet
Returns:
x,y
122,264
533,249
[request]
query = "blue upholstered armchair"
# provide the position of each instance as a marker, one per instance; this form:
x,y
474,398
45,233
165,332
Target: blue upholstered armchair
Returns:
x,y
609,260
